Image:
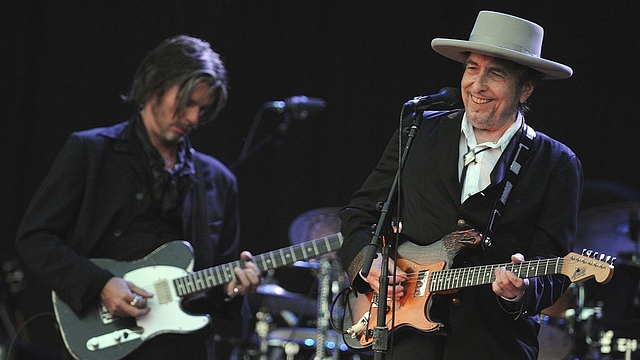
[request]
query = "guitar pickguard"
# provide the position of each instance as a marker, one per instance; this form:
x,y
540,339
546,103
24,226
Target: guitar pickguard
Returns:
x,y
167,272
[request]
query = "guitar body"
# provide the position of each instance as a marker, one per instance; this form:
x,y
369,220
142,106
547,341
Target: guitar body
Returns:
x,y
424,281
411,312
168,273
95,334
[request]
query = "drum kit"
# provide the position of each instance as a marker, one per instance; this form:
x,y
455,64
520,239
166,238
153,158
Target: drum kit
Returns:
x,y
590,321
599,321
293,326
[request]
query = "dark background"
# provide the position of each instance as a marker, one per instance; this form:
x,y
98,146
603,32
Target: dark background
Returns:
x,y
67,63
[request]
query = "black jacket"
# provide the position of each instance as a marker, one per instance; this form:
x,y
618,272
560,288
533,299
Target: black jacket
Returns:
x,y
539,220
95,186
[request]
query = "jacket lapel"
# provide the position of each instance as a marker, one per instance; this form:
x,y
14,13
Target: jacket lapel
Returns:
x,y
448,141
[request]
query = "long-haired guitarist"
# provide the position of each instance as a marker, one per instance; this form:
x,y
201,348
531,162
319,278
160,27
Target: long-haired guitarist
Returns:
x,y
122,191
480,173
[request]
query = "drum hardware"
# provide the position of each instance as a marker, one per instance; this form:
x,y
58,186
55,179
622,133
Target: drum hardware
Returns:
x,y
263,324
273,298
609,344
611,227
608,316
558,325
330,283
291,349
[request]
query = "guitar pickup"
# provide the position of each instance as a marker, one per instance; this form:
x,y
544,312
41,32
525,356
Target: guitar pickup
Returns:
x,y
113,338
421,283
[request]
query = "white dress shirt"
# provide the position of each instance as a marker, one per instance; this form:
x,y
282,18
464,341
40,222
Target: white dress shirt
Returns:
x,y
484,156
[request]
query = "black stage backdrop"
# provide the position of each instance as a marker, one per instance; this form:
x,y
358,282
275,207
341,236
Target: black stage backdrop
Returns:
x,y
66,63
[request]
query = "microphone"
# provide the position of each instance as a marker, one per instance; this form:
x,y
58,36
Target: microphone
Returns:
x,y
298,106
447,96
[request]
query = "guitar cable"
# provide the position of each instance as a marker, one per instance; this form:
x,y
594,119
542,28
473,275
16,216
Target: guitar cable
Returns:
x,y
14,339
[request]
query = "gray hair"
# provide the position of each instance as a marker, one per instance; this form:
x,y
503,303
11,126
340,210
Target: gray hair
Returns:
x,y
184,61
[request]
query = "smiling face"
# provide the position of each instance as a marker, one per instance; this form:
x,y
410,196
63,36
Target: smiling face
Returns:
x,y
491,92
166,125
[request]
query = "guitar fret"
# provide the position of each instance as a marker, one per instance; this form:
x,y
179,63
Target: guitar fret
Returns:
x,y
315,249
292,254
273,259
188,283
210,279
179,286
221,271
468,276
198,281
262,264
297,253
217,273
327,245
282,257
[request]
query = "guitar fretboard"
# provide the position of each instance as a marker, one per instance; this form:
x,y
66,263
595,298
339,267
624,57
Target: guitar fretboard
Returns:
x,y
206,279
479,275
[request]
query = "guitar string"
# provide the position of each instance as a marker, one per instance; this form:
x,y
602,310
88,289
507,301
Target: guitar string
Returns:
x,y
527,267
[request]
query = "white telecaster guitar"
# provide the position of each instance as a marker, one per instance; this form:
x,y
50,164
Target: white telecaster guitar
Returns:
x,y
167,272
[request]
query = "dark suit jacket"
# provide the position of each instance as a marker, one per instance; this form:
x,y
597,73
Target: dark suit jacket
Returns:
x,y
539,220
93,190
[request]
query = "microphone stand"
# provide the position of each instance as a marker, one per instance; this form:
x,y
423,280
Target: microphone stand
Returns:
x,y
380,331
273,137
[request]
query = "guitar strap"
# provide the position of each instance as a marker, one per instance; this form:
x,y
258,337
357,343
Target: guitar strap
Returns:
x,y
527,135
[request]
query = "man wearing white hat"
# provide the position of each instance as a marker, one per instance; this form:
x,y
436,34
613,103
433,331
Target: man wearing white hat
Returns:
x,y
479,172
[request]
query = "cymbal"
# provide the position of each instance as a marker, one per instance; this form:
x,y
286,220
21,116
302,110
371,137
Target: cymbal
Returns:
x,y
274,290
273,298
314,224
607,229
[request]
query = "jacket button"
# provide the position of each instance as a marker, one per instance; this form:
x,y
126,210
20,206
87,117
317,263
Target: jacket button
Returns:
x,y
455,301
139,196
117,233
462,223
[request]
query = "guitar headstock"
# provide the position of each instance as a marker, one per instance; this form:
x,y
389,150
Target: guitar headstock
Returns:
x,y
589,264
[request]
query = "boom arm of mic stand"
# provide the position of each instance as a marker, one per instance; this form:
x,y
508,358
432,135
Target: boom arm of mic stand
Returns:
x,y
274,136
380,331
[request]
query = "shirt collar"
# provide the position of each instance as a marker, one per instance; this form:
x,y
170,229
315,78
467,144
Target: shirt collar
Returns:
x,y
467,131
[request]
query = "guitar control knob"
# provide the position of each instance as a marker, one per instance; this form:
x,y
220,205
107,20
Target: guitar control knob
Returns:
x,y
487,241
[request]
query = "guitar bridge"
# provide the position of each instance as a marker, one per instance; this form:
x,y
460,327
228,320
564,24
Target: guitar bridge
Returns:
x,y
105,315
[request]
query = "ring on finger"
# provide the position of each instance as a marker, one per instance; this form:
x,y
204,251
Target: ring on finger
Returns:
x,y
135,301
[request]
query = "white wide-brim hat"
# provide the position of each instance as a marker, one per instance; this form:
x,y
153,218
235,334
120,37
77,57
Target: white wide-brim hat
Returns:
x,y
506,37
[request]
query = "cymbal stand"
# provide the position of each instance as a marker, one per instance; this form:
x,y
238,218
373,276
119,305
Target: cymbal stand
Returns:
x,y
330,280
262,330
323,308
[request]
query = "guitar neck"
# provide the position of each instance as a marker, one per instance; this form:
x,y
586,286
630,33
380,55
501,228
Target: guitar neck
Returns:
x,y
451,279
207,279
